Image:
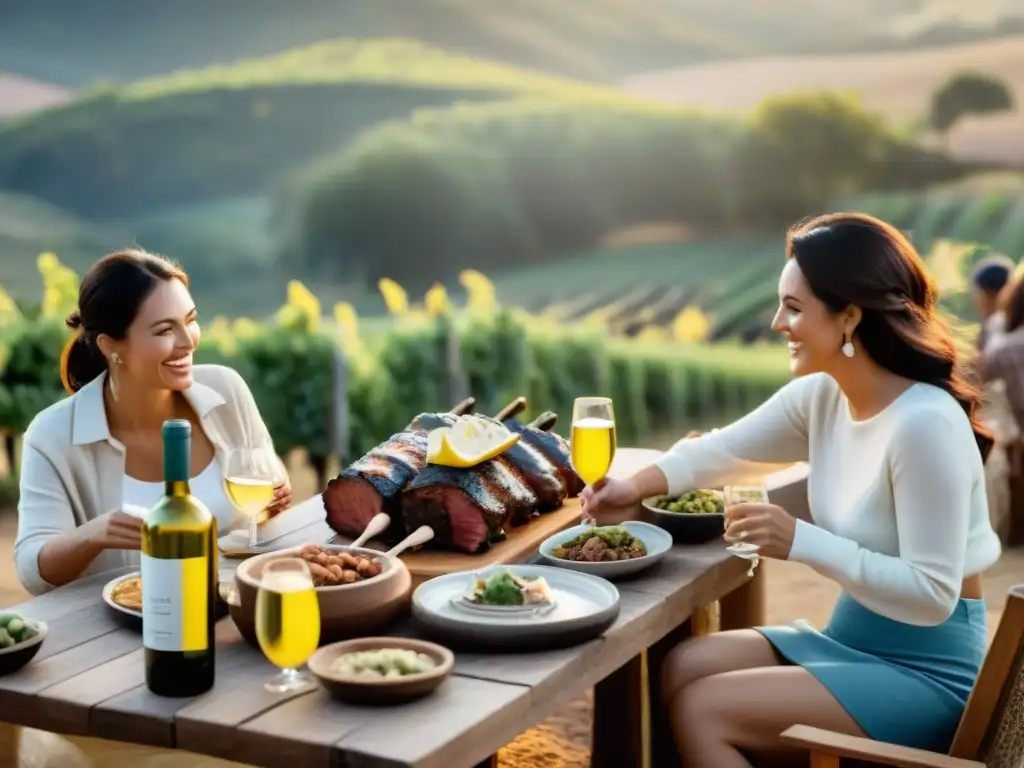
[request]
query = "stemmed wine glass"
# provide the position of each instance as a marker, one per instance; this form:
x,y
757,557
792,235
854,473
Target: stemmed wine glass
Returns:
x,y
738,495
287,621
592,444
252,474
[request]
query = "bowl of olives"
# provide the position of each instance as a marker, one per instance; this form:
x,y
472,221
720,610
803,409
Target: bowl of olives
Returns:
x,y
20,640
381,670
694,517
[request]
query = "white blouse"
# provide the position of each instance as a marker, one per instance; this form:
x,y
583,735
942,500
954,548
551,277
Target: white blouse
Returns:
x,y
72,468
207,486
898,500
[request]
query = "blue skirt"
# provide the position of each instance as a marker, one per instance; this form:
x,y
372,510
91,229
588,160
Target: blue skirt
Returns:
x,y
903,684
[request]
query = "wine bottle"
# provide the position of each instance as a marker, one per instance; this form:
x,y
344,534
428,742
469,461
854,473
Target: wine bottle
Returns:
x,y
179,578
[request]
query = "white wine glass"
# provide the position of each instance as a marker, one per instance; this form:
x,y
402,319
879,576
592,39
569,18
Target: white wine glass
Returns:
x,y
592,445
739,495
250,479
287,621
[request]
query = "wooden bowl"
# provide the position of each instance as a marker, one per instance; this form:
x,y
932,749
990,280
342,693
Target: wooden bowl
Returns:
x,y
394,690
346,610
17,656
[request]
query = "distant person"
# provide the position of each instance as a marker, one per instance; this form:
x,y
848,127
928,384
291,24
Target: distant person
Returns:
x,y
989,277
1001,368
84,459
882,412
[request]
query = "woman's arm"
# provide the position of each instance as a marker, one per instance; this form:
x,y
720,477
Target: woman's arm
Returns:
x,y
932,488
49,550
775,433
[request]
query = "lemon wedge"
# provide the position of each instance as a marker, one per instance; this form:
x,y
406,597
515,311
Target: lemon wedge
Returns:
x,y
468,442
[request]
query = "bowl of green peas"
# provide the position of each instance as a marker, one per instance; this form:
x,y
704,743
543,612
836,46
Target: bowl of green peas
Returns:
x,y
20,640
694,517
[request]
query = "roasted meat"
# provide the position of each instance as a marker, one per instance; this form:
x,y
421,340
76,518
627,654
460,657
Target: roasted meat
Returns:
x,y
553,447
467,508
530,465
373,484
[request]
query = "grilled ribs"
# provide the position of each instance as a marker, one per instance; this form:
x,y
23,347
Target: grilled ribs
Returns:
x,y
554,448
467,508
373,483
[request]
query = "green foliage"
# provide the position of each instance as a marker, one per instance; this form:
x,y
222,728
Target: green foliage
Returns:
x,y
231,130
30,371
483,185
290,370
968,93
994,219
806,149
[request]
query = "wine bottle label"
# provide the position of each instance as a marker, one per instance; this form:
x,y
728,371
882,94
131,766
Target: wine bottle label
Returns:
x,y
174,603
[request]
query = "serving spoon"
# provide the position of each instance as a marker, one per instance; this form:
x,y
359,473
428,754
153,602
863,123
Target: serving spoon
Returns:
x,y
420,536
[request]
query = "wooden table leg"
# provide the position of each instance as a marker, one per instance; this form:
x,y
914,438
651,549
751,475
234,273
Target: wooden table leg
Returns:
x,y
618,740
744,607
663,746
10,743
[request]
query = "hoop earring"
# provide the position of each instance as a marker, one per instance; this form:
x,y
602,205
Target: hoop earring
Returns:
x,y
847,348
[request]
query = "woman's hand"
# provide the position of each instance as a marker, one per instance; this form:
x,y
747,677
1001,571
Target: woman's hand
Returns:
x,y
282,498
609,499
114,530
768,526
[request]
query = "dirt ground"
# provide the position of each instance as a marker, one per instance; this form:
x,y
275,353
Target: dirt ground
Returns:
x,y
561,741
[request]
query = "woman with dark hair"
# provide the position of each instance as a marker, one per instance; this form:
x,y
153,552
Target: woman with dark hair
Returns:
x,y
89,457
882,412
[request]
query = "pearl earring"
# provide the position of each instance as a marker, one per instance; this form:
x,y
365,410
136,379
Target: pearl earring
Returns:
x,y
848,349
115,358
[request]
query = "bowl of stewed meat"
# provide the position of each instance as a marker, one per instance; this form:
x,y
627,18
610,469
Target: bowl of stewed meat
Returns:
x,y
608,551
359,590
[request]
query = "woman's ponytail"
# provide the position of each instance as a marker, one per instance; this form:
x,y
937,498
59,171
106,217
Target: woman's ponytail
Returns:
x,y
80,361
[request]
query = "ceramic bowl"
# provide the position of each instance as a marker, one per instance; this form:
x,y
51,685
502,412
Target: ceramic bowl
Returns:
x,y
346,610
686,527
396,690
656,540
17,656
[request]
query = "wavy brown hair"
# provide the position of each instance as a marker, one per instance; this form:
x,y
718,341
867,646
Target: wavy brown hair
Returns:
x,y
109,298
856,259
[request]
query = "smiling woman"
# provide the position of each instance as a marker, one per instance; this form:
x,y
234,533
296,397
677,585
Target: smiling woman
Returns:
x,y
88,458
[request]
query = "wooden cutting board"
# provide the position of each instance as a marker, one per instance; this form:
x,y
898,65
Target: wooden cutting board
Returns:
x,y
521,544
310,527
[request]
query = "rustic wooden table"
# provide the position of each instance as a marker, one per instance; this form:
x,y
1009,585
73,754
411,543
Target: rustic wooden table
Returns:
x,y
88,679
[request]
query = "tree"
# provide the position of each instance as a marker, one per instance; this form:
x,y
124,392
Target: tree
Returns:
x,y
968,93
805,149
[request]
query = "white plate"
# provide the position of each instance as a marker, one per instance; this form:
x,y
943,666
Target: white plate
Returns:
x,y
584,607
270,533
657,540
108,590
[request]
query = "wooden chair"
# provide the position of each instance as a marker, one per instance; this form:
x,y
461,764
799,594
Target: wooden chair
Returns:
x,y
991,732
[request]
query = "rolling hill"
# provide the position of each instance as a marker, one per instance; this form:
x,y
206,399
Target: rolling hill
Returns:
x,y
232,130
75,43
897,83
